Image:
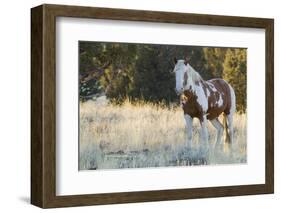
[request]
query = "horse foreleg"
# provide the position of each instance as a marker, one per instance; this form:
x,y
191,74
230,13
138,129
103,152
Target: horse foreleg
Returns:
x,y
219,127
204,132
188,121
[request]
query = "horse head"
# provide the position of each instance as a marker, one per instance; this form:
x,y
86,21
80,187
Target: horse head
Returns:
x,y
181,73
186,76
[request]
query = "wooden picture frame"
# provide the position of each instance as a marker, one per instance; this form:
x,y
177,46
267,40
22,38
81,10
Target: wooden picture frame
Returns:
x,y
43,105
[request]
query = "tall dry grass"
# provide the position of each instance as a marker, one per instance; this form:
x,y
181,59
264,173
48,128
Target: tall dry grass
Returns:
x,y
148,135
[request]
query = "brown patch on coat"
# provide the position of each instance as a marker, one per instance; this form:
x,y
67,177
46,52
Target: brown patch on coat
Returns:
x,y
191,107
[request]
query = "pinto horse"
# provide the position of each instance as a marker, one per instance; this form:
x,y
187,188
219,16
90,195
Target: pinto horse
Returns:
x,y
205,100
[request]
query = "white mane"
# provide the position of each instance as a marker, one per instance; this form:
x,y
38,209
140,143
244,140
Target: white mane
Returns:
x,y
195,76
197,88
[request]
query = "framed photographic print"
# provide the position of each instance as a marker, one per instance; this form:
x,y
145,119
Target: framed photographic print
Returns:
x,y
135,106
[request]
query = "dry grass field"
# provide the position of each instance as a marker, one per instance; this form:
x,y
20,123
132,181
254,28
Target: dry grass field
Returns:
x,y
147,135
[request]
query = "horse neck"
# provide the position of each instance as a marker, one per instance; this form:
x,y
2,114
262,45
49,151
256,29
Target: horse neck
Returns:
x,y
196,89
194,73
196,79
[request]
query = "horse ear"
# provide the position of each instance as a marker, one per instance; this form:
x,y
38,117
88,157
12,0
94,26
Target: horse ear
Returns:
x,y
186,61
175,60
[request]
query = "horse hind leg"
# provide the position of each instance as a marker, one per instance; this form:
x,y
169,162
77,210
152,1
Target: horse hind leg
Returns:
x,y
226,128
231,114
219,127
230,127
227,144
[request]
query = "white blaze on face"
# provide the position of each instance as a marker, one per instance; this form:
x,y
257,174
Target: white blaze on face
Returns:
x,y
179,70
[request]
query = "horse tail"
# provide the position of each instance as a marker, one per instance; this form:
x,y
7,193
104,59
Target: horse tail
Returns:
x,y
225,127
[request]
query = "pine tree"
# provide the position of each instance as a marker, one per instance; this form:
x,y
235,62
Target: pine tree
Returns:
x,y
235,72
153,80
106,67
214,60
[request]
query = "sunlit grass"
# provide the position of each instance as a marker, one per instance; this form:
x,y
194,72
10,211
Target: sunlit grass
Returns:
x,y
147,135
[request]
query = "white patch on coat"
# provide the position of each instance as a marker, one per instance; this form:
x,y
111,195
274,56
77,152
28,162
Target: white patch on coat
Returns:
x,y
220,102
201,98
212,87
208,93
